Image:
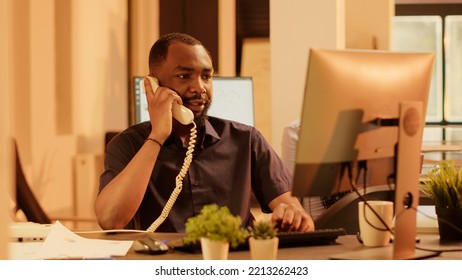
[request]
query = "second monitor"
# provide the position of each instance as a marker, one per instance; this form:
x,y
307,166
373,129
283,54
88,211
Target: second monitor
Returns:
x,y
232,99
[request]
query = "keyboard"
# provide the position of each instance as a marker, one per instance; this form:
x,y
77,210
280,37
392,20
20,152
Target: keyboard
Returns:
x,y
286,239
312,238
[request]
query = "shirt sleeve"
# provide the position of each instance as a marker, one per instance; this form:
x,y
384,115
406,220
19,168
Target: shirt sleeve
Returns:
x,y
270,176
118,153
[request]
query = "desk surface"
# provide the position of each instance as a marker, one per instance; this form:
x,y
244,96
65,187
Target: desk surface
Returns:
x,y
345,244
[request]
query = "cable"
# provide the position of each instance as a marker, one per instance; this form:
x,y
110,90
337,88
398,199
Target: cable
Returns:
x,y
110,231
439,219
178,182
356,190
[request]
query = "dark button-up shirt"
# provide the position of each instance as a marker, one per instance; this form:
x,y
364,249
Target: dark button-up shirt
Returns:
x,y
229,162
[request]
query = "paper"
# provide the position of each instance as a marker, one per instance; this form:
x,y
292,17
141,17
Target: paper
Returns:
x,y
24,250
61,243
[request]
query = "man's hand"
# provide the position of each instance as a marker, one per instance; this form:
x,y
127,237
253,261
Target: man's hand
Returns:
x,y
160,109
289,215
291,218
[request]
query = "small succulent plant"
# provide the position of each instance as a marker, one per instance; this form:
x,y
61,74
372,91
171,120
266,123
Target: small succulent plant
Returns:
x,y
216,223
262,230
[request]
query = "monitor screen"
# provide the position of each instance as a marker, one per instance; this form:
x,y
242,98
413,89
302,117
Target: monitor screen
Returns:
x,y
140,103
232,99
345,92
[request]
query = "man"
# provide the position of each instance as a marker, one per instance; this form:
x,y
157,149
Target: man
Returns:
x,y
229,160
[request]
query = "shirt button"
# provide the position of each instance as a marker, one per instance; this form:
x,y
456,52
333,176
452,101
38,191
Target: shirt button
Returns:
x,y
196,183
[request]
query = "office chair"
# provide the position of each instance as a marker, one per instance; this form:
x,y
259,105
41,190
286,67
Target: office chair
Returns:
x,y
25,198
344,212
27,202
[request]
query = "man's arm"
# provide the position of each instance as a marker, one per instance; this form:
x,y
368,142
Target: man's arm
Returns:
x,y
289,215
118,202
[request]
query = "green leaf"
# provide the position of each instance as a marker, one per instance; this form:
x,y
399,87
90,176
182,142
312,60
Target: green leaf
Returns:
x,y
443,184
262,230
215,223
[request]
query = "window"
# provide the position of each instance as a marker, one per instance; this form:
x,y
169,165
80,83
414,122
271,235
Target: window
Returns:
x,y
436,28
423,34
453,62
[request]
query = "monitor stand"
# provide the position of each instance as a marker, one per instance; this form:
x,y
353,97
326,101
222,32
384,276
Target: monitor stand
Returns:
x,y
382,253
407,191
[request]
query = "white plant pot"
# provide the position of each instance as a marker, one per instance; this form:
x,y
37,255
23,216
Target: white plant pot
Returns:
x,y
263,249
214,250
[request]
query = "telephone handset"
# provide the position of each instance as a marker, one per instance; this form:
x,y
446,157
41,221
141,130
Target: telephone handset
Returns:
x,y
184,116
179,112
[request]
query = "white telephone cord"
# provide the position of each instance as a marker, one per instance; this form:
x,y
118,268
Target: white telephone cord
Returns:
x,y
179,181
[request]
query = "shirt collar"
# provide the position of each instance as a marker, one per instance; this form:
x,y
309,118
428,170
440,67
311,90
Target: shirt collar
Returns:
x,y
210,130
210,136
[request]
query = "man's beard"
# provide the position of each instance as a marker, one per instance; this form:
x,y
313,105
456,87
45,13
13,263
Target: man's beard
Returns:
x,y
200,119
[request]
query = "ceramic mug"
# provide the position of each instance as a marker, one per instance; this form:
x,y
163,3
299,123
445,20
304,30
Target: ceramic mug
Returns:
x,y
372,230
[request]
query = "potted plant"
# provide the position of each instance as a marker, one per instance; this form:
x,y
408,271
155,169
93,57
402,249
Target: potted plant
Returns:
x,y
443,185
216,229
263,242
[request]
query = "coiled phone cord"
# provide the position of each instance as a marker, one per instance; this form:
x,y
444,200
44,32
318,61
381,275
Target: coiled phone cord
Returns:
x,y
178,181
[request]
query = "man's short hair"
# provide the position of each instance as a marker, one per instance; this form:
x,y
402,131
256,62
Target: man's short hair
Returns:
x,y
159,50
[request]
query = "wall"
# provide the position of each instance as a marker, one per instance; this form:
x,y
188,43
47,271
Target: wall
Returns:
x,y
227,37
144,30
371,29
99,68
68,77
6,180
295,28
256,63
69,84
426,1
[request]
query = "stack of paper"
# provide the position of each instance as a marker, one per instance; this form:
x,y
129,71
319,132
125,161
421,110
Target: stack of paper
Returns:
x,y
61,243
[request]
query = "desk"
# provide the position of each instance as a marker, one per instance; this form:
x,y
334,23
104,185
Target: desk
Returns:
x,y
345,244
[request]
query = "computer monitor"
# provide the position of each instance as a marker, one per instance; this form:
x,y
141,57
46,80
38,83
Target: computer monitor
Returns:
x,y
139,103
362,117
232,99
346,92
